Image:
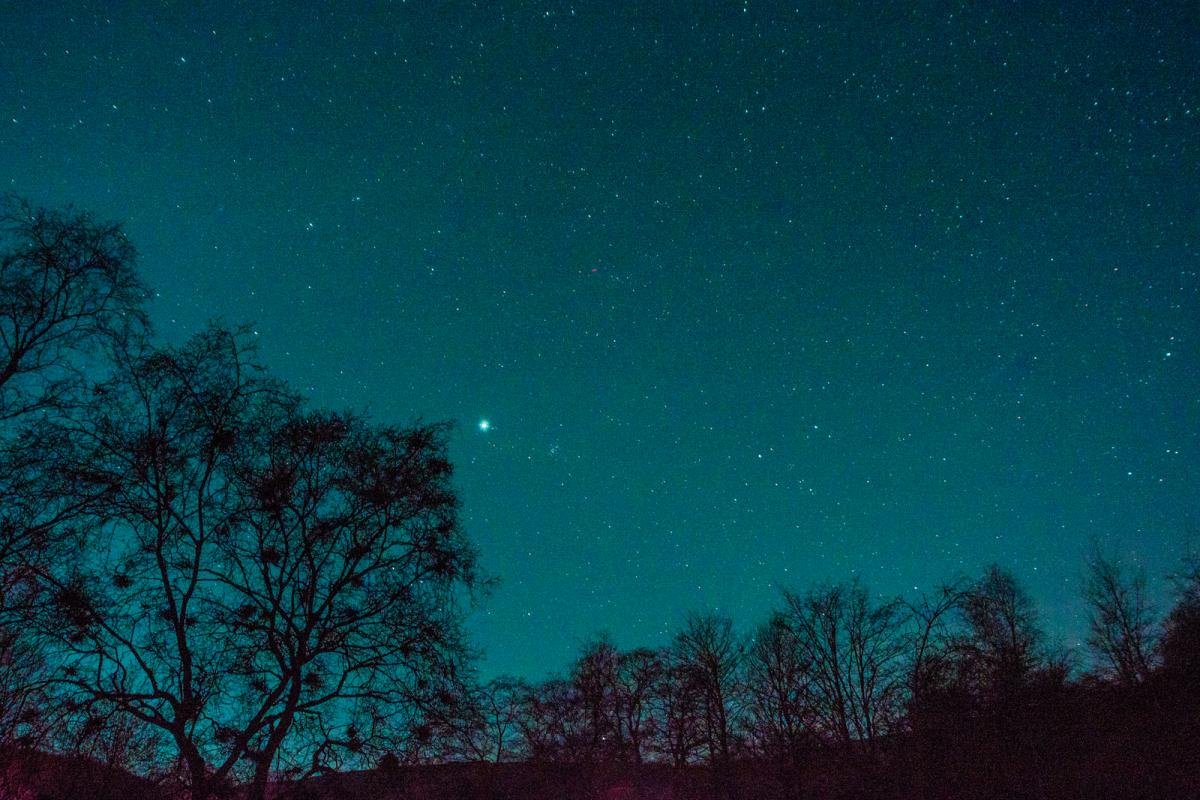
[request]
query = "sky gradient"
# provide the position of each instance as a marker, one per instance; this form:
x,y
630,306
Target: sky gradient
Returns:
x,y
751,296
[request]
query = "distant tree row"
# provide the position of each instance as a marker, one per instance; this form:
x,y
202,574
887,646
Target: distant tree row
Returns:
x,y
834,666
836,672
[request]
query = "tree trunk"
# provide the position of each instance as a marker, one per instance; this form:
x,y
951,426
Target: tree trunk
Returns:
x,y
258,786
199,785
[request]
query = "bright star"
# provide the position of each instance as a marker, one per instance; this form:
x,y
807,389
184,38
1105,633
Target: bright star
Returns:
x,y
484,425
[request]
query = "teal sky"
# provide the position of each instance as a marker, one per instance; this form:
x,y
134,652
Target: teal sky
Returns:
x,y
752,296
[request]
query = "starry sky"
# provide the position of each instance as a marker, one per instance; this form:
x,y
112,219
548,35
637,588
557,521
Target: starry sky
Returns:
x,y
748,294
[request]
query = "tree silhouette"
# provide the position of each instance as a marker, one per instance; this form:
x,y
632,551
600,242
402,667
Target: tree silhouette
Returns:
x,y
553,724
1181,637
678,711
269,586
780,716
594,679
484,725
933,640
708,652
615,692
1121,622
67,288
639,673
68,291
1000,647
853,653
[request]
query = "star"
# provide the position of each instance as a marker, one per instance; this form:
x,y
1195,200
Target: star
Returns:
x,y
484,425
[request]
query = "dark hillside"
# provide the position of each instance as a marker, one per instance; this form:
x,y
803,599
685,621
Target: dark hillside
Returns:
x,y
26,775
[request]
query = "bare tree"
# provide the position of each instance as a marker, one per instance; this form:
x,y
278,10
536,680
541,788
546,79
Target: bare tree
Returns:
x,y
614,691
639,672
1180,645
24,542
67,288
677,711
595,677
24,718
268,586
1001,645
1121,621
779,693
932,677
854,653
553,724
68,292
486,725
708,650
932,640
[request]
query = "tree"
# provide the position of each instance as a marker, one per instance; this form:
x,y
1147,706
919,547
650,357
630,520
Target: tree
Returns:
x,y
68,292
933,707
553,724
779,693
614,691
1121,622
270,586
639,672
23,719
67,288
485,724
1000,648
594,678
677,711
932,641
1181,636
708,652
853,650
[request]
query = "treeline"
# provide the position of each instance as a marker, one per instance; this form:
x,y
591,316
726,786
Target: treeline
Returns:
x,y
955,693
209,583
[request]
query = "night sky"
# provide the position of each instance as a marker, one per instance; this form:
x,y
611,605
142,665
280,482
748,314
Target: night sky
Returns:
x,y
723,296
